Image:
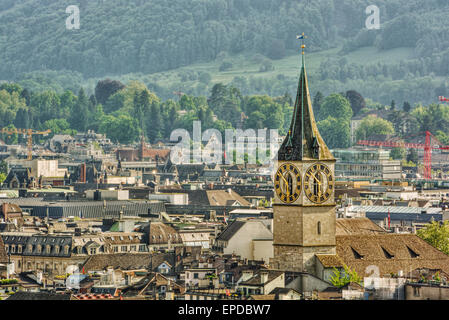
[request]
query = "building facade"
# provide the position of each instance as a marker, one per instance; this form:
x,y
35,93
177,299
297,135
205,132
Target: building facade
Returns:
x,y
363,162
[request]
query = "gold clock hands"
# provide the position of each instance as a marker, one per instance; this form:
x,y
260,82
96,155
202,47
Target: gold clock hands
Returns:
x,y
286,184
319,184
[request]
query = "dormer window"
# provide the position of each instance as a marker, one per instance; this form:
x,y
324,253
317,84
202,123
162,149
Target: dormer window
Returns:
x,y
387,254
356,254
39,248
48,249
412,253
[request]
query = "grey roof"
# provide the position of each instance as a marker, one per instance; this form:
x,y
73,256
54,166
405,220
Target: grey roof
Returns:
x,y
231,230
393,209
31,245
86,209
23,295
279,290
421,218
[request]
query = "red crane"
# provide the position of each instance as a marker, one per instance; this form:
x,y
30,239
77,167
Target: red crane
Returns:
x,y
427,146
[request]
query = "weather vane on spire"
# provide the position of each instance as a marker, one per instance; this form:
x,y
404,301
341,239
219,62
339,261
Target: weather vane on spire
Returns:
x,y
302,37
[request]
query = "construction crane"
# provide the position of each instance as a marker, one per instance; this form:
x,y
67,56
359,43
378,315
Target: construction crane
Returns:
x,y
427,146
29,133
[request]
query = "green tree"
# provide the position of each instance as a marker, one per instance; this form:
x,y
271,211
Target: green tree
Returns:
x,y
412,156
10,104
106,88
437,235
335,132
58,126
339,279
432,118
398,153
336,106
79,114
406,107
154,123
373,125
121,128
317,102
356,100
10,138
3,167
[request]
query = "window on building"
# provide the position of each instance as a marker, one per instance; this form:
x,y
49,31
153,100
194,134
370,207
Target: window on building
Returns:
x,y
19,249
132,248
13,249
116,249
93,251
39,248
195,275
142,248
318,227
124,248
416,292
57,249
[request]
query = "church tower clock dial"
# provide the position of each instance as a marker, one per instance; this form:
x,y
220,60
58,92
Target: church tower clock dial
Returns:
x,y
318,183
304,215
287,183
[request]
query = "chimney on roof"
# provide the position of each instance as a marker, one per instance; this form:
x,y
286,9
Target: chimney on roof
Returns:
x,y
229,190
263,276
5,210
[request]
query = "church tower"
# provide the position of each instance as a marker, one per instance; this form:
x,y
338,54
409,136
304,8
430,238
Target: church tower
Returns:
x,y
304,205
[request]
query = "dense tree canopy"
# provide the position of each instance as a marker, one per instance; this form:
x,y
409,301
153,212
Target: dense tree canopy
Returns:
x,y
373,126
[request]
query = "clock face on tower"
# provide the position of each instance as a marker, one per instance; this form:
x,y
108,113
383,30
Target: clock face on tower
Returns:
x,y
318,183
287,183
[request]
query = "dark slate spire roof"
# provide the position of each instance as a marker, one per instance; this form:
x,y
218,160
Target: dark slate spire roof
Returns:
x,y
303,141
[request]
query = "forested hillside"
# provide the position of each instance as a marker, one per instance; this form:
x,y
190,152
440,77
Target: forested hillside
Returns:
x,y
189,45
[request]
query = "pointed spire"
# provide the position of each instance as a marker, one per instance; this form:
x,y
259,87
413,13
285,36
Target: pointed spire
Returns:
x,y
303,140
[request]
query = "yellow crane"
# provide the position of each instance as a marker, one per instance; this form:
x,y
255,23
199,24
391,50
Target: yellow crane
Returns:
x,y
29,133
